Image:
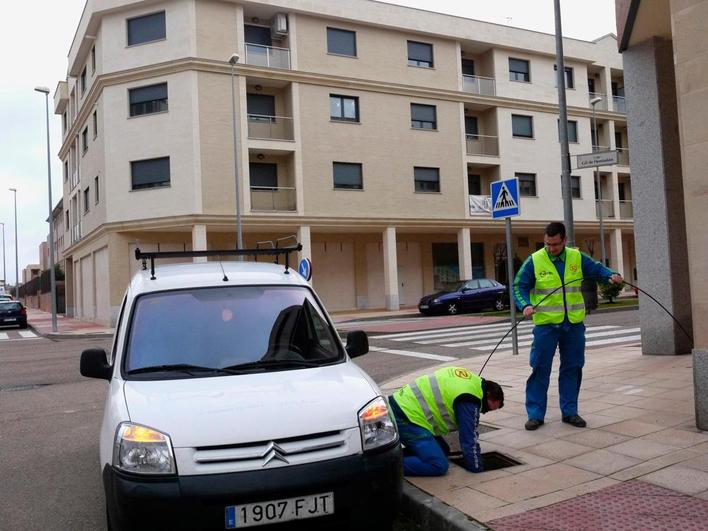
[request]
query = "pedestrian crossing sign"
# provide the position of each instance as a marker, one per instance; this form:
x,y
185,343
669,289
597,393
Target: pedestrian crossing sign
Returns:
x,y
505,198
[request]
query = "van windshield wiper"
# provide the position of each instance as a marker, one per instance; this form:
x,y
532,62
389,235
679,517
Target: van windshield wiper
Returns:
x,y
273,364
180,367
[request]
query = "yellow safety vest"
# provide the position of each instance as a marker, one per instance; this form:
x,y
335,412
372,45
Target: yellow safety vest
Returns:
x,y
552,301
429,400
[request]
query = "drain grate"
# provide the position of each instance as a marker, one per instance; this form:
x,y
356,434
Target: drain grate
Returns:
x,y
490,460
26,387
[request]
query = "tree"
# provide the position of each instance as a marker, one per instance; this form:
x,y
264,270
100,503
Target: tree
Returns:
x,y
58,273
611,291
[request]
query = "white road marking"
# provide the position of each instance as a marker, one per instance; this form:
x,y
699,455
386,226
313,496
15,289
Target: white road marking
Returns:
x,y
3,335
442,331
507,342
412,354
27,333
596,343
484,342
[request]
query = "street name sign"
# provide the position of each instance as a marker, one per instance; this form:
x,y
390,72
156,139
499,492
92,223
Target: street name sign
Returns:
x,y
505,198
597,158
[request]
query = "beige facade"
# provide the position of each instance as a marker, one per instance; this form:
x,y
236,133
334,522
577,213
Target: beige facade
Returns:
x,y
383,244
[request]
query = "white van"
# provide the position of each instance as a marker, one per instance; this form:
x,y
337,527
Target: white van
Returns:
x,y
232,403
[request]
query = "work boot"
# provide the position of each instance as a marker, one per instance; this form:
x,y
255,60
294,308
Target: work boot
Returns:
x,y
575,420
533,424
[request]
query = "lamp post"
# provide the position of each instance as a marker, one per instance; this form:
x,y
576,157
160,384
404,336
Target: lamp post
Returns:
x,y
239,233
594,102
52,277
17,267
4,272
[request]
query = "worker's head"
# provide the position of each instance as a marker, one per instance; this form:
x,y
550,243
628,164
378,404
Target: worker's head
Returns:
x,y
554,238
493,396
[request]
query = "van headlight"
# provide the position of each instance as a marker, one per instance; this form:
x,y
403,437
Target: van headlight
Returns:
x,y
142,450
377,427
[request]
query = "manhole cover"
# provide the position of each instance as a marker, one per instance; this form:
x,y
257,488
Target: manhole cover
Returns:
x,y
490,460
27,387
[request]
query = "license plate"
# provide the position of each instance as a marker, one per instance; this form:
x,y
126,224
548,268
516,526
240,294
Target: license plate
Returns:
x,y
271,512
423,306
10,319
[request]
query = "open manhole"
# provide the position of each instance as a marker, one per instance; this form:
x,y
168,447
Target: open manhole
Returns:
x,y
490,460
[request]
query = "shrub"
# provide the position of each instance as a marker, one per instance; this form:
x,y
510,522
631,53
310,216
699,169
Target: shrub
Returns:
x,y
611,291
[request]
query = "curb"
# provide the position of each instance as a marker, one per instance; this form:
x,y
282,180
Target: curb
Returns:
x,y
430,513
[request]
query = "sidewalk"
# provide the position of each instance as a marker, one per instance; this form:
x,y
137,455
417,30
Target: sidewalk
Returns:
x,y
41,322
640,464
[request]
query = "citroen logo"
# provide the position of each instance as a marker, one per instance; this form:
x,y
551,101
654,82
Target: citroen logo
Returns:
x,y
274,452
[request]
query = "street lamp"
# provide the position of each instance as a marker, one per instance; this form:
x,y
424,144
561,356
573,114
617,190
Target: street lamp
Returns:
x,y
52,279
594,102
239,234
4,272
17,266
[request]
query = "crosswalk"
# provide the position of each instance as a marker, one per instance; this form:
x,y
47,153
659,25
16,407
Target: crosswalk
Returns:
x,y
14,335
484,338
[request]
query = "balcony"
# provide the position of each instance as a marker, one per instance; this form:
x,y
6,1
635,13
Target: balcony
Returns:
x,y
265,127
480,205
484,86
623,156
268,56
626,210
487,146
607,206
619,104
600,105
269,199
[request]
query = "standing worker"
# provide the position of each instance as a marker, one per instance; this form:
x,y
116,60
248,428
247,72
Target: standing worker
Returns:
x,y
433,405
558,311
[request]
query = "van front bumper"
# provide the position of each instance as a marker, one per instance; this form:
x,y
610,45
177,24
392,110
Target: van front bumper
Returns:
x,y
364,485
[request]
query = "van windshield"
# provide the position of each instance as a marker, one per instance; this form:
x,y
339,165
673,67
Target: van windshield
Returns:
x,y
216,331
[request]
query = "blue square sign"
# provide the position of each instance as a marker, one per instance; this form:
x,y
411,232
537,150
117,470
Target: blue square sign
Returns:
x,y
505,198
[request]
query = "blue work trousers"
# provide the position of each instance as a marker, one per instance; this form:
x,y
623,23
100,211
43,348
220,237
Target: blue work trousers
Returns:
x,y
570,339
423,455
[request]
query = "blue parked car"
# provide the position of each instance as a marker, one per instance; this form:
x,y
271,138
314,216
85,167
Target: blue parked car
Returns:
x,y
467,295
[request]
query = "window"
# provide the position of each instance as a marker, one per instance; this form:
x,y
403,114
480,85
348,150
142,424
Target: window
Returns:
x,y
343,108
67,220
485,283
263,175
471,129
83,81
467,67
258,35
86,200
474,184
84,140
569,78
262,105
423,116
150,173
522,126
341,42
527,184
572,131
575,187
63,121
66,170
519,70
148,28
420,54
94,121
426,179
591,85
148,100
96,195
347,175
93,60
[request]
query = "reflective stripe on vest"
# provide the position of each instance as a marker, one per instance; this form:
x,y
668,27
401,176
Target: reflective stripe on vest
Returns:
x,y
429,400
549,297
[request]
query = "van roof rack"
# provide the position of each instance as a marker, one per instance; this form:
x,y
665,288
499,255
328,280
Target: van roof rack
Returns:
x,y
139,255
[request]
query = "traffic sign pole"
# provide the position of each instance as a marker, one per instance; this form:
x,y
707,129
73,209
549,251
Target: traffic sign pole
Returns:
x,y
510,275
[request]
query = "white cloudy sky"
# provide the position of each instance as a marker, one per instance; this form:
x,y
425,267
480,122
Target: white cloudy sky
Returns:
x,y
38,58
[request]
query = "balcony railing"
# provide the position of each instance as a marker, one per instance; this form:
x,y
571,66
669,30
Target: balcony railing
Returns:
x,y
608,208
484,86
487,146
270,56
619,104
268,199
600,105
480,205
600,148
270,127
623,156
626,209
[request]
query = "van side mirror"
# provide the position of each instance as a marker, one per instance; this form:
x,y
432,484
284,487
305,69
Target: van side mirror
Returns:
x,y
357,343
94,364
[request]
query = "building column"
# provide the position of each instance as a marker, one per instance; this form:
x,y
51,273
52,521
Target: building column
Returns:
x,y
304,239
659,219
464,253
199,241
617,259
390,268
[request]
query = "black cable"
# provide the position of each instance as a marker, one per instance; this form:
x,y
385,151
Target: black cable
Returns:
x,y
594,277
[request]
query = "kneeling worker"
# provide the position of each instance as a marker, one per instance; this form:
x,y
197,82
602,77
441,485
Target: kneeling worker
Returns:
x,y
434,405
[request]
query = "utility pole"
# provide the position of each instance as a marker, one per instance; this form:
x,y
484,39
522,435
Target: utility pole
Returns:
x,y
563,126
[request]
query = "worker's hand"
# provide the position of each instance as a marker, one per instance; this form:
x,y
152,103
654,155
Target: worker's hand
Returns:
x,y
528,311
616,279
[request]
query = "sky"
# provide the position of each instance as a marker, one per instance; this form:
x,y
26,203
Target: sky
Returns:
x,y
43,62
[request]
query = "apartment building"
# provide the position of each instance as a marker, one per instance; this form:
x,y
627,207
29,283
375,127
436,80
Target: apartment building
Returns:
x,y
366,131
